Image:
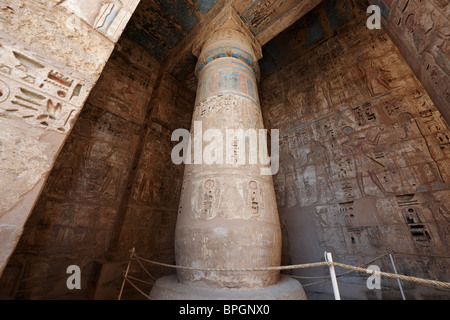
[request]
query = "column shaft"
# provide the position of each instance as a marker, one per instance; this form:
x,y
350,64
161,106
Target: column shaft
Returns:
x,y
228,216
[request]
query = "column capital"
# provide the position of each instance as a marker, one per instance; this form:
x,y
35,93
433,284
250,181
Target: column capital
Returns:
x,y
227,19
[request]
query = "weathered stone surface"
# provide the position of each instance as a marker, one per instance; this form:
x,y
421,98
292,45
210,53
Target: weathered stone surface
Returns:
x,y
420,29
364,159
49,62
173,105
52,31
108,18
76,212
169,288
9,236
24,162
149,221
205,228
26,157
126,84
93,192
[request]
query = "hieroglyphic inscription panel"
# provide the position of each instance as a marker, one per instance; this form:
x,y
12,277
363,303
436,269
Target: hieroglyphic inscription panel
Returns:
x,y
37,92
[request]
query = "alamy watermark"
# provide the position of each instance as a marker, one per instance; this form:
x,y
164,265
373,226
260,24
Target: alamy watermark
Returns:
x,y
229,146
374,21
73,281
374,281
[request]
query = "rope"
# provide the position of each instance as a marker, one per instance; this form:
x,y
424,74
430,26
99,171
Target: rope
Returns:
x,y
140,280
345,273
127,277
279,268
142,266
433,283
139,290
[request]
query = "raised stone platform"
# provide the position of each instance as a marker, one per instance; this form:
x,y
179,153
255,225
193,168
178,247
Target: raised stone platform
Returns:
x,y
169,288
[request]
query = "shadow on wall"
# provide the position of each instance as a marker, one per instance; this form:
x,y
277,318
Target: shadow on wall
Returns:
x,y
310,31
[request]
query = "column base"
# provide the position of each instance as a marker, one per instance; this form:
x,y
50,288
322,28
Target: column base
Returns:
x,y
168,288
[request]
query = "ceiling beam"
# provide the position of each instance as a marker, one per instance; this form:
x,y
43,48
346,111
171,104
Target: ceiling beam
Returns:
x,y
286,20
283,14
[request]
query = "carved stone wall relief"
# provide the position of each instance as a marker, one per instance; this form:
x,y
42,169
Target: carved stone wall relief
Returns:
x,y
369,162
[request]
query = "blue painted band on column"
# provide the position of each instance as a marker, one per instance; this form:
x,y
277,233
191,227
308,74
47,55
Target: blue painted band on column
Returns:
x,y
221,52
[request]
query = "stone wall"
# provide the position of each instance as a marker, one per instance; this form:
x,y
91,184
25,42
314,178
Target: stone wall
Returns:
x,y
421,31
149,213
77,211
51,55
365,162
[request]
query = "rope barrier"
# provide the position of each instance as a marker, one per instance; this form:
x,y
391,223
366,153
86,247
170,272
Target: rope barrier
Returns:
x,y
314,283
139,290
345,273
432,283
140,280
146,271
279,268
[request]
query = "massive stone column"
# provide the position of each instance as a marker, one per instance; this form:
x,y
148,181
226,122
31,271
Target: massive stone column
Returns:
x,y
227,216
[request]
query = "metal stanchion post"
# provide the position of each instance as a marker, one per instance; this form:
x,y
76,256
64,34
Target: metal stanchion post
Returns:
x,y
398,280
329,258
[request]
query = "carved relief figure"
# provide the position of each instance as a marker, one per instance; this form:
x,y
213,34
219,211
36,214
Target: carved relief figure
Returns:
x,y
375,77
66,173
363,162
321,98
